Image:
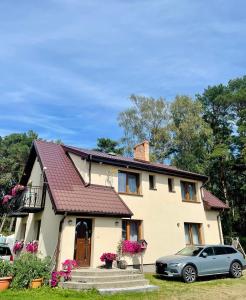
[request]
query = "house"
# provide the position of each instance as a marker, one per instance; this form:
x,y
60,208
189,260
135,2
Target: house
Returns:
x,y
80,203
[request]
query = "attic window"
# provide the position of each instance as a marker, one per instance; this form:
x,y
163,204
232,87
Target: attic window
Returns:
x,y
152,182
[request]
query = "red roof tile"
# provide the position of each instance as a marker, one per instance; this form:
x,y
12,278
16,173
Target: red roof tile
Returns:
x,y
137,164
68,190
212,202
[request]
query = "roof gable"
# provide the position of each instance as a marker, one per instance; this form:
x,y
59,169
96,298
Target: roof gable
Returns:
x,y
67,188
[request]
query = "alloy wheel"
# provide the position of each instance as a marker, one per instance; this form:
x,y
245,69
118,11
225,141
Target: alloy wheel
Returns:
x,y
236,270
189,274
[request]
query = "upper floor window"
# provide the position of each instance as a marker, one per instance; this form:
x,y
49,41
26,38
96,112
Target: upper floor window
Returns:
x,y
171,185
152,182
128,182
188,191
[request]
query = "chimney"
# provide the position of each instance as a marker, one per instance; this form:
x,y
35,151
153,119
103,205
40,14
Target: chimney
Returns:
x,y
141,151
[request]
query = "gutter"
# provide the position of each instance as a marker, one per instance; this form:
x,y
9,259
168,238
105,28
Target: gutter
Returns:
x,y
59,241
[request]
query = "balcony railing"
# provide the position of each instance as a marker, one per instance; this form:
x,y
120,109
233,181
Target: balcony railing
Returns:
x,y
31,200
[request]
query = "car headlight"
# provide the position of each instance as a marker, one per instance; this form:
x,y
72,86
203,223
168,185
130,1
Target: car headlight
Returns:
x,y
174,265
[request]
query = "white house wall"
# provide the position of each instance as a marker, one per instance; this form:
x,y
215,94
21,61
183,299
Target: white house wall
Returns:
x,y
163,212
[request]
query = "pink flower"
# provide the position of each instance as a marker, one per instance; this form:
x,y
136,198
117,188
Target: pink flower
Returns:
x,y
131,247
16,189
108,257
6,199
69,264
32,247
18,246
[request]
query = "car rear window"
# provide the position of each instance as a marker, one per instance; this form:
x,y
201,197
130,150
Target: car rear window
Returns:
x,y
4,251
219,250
230,250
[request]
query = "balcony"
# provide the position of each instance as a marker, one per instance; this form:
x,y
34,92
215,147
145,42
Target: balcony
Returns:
x,y
31,200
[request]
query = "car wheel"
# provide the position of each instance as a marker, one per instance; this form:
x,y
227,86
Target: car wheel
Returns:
x,y
236,270
189,274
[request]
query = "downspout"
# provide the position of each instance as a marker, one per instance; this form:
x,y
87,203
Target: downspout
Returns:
x,y
90,159
59,240
220,229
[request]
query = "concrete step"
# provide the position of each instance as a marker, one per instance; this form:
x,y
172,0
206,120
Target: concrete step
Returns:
x,y
137,289
103,285
103,272
116,277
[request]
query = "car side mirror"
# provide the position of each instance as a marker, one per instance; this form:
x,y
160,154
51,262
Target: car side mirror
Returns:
x,y
204,254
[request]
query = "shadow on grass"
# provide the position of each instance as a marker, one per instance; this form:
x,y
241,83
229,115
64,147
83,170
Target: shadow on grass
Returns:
x,y
199,279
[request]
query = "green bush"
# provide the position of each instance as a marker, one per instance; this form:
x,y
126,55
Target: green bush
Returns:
x,y
6,268
28,267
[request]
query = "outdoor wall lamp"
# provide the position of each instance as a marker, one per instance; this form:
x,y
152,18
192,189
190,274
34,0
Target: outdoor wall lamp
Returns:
x,y
178,224
70,222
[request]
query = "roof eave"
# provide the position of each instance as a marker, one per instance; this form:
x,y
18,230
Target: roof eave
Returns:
x,y
137,166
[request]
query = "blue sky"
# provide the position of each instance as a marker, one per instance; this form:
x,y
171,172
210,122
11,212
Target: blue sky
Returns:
x,y
68,67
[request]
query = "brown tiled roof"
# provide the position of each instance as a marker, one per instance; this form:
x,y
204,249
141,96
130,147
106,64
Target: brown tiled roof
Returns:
x,y
212,202
133,163
67,189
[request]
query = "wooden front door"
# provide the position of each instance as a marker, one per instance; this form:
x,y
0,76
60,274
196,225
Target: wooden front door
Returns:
x,y
83,242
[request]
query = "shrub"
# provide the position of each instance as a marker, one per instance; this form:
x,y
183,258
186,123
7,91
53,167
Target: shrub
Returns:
x,y
6,268
29,267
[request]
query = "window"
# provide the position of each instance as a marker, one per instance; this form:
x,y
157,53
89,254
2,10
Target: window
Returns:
x,y
171,185
219,250
188,191
38,225
128,183
192,233
209,251
152,182
230,250
131,230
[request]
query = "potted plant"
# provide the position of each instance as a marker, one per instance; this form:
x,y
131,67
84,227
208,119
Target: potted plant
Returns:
x,y
6,272
108,258
30,271
121,263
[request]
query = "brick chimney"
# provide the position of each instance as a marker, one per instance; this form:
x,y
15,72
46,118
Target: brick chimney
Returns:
x,y
141,151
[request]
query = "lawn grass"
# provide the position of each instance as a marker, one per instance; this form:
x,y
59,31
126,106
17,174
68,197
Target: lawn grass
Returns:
x,y
215,289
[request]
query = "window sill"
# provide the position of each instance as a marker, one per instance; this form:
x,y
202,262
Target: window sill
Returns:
x,y
188,201
130,194
172,192
155,189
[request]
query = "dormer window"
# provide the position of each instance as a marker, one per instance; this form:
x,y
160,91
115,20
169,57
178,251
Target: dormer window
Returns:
x,y
128,182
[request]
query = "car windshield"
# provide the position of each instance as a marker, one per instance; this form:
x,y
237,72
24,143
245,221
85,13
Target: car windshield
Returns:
x,y
190,251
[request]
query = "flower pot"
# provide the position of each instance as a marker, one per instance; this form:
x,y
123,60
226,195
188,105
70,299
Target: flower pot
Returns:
x,y
122,264
36,283
4,283
108,264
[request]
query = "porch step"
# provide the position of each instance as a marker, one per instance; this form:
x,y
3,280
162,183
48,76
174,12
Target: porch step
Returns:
x,y
137,289
108,278
103,272
104,285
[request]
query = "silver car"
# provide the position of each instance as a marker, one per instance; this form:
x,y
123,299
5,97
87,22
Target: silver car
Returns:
x,y
5,252
194,261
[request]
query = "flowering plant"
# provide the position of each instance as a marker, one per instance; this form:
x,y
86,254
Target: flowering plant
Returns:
x,y
67,265
131,247
6,199
18,246
108,257
16,189
32,247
